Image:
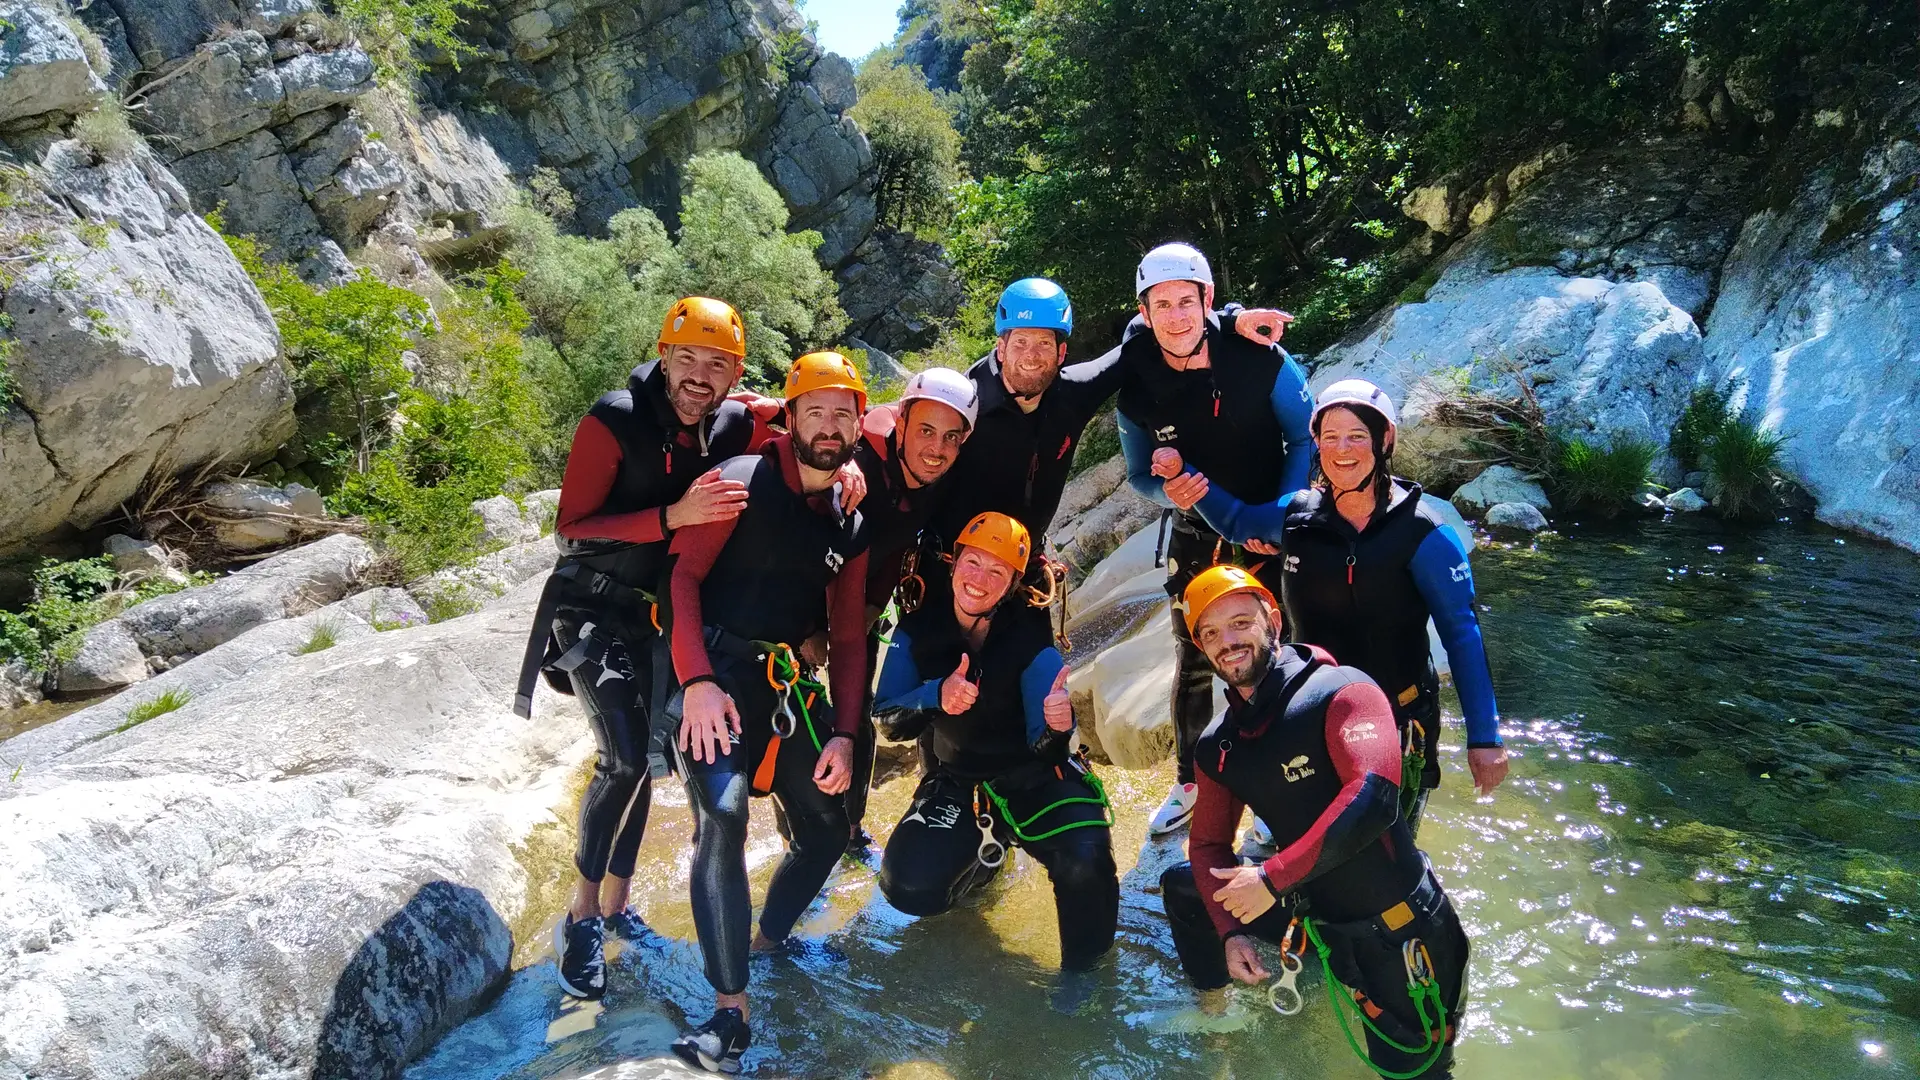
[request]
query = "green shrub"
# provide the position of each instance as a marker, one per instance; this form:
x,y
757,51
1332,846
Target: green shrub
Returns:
x,y
1743,465
1603,480
152,707
389,30
916,150
325,636
1705,416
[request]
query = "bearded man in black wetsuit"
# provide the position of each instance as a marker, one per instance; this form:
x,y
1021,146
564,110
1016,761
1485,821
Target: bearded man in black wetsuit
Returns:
x,y
1311,747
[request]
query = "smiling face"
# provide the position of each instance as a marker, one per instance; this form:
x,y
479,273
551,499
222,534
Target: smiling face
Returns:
x,y
1346,448
1177,312
930,437
1237,633
1029,360
825,423
980,581
697,379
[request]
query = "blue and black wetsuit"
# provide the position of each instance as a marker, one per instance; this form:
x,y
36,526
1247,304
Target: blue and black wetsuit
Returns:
x,y
1365,596
1243,421
1001,758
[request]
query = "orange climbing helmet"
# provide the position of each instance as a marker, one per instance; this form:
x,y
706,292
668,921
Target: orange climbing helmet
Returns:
x,y
825,371
704,321
1215,582
1000,536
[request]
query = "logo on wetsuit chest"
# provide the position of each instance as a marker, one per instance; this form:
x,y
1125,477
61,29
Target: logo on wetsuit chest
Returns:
x,y
1166,434
1298,769
1293,564
835,561
1462,573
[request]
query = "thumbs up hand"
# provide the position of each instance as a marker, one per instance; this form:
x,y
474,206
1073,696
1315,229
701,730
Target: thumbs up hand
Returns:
x,y
1058,707
957,695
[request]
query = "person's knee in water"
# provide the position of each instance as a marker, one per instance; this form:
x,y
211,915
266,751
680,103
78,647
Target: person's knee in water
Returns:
x,y
741,593
978,680
1311,747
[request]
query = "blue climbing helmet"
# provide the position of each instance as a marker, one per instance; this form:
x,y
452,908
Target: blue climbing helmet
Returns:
x,y
1033,302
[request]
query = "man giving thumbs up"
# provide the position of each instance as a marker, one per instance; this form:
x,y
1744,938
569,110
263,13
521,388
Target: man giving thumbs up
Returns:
x,y
998,727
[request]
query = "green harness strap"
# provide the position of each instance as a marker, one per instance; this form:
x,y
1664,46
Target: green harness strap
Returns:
x,y
1020,827
1423,992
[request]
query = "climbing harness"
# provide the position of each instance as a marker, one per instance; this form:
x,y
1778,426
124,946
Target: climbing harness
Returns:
x,y
1099,798
1422,988
1283,994
795,694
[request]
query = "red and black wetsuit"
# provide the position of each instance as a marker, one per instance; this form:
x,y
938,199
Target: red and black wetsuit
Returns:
x,y
1316,755
791,564
632,457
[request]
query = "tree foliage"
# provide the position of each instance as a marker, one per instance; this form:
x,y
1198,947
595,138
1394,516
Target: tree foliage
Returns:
x,y
916,150
1280,135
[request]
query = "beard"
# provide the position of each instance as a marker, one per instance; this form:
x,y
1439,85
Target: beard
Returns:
x,y
1028,385
814,455
1257,669
693,404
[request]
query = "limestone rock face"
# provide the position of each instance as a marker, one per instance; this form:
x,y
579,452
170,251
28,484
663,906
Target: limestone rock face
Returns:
x,y
507,522
144,349
897,290
43,69
1818,323
307,871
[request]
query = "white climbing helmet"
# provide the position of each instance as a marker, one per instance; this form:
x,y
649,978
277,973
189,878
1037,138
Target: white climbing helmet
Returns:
x,y
946,386
1352,392
1172,262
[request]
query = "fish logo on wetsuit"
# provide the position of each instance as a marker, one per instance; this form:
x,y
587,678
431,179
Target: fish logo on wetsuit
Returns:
x,y
1298,769
1166,434
1462,572
944,817
1293,564
835,561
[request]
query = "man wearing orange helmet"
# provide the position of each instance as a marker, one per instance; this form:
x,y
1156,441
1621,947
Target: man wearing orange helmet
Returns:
x,y
997,729
1311,748
743,593
642,465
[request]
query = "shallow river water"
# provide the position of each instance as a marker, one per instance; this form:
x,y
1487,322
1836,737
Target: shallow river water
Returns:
x,y
1706,864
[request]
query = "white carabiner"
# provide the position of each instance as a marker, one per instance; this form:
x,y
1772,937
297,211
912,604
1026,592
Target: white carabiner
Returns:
x,y
992,852
1283,995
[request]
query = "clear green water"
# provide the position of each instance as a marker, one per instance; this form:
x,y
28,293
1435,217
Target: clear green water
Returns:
x,y
1706,865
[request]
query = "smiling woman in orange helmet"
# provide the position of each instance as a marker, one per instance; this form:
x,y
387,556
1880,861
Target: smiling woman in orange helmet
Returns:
x,y
978,675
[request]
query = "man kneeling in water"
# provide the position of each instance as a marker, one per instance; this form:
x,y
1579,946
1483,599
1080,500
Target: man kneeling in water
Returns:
x,y
1311,748
997,731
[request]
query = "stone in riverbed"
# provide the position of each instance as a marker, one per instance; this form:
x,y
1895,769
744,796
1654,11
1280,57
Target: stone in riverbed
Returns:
x,y
19,685
1686,501
109,658
1516,517
1499,484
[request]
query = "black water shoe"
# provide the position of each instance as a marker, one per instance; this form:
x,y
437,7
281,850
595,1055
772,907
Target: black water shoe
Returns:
x,y
716,1045
577,947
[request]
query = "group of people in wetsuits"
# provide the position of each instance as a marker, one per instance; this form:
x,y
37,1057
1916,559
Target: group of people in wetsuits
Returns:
x,y
720,550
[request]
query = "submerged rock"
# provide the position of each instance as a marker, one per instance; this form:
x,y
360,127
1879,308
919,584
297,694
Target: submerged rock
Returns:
x,y
1516,517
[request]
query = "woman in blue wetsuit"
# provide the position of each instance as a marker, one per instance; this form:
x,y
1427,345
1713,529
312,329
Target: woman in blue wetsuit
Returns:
x,y
1365,566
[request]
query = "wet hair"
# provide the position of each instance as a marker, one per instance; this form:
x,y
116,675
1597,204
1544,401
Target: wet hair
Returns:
x,y
1382,477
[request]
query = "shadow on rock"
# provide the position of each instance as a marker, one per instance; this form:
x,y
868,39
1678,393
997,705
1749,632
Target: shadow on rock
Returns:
x,y
416,977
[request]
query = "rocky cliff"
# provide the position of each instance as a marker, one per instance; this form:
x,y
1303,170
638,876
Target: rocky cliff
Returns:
x,y
1618,279
139,347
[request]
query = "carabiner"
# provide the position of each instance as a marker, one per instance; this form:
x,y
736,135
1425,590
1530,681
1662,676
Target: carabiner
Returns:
x,y
992,852
785,723
1419,964
1283,995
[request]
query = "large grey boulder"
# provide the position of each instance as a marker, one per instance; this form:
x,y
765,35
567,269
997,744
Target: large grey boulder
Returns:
x,y
43,68
109,658
19,685
145,350
253,516
457,590
307,871
1818,323
1098,510
1686,501
1499,484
